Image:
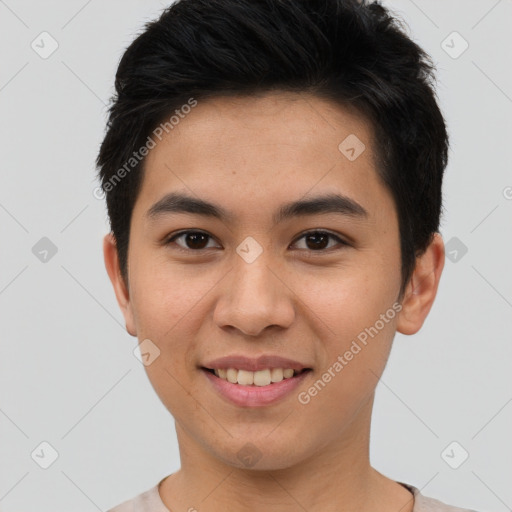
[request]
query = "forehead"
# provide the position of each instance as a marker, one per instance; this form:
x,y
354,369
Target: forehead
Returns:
x,y
244,152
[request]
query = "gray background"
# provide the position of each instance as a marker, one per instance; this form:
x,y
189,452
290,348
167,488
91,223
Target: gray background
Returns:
x,y
68,375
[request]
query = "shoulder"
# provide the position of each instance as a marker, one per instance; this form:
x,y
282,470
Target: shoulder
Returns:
x,y
148,501
426,504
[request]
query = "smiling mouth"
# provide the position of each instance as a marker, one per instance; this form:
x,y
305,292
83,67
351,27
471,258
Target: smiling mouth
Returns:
x,y
259,378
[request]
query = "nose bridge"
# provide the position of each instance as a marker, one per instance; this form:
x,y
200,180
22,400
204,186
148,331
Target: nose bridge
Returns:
x,y
253,278
254,297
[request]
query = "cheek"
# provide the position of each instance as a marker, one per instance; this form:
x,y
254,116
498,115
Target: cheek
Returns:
x,y
166,309
350,299
355,320
353,362
165,297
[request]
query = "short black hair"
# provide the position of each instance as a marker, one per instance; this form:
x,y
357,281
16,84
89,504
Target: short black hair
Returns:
x,y
355,53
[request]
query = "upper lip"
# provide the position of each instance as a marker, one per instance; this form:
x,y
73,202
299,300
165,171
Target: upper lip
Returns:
x,y
254,364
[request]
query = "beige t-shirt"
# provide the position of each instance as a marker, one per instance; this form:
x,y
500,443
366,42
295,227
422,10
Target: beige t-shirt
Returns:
x,y
150,501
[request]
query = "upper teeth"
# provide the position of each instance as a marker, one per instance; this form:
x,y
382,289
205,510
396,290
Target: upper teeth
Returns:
x,y
259,378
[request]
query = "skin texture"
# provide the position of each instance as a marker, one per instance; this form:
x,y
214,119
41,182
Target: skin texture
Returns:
x,y
250,155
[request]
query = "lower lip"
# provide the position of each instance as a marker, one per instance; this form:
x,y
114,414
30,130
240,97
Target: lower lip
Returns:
x,y
255,396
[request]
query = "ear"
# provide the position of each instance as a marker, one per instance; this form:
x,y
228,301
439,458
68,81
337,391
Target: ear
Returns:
x,y
111,258
422,287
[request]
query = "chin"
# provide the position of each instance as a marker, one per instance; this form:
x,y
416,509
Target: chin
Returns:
x,y
259,455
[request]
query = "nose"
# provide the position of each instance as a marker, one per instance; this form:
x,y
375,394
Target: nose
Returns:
x,y
255,296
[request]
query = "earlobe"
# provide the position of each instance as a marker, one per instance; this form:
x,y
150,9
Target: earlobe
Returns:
x,y
111,258
422,287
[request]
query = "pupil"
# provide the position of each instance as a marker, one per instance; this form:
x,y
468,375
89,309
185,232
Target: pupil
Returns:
x,y
316,237
194,237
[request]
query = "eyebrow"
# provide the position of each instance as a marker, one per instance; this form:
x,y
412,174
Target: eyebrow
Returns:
x,y
331,203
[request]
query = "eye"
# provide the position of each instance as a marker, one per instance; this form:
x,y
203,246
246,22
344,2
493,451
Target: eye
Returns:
x,y
198,240
195,238
316,240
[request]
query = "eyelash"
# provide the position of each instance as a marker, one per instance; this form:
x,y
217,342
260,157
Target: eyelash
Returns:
x,y
175,236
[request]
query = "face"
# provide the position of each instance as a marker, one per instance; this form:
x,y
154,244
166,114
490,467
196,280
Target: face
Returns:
x,y
258,276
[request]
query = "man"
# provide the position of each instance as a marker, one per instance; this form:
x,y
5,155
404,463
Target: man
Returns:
x,y
273,174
